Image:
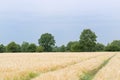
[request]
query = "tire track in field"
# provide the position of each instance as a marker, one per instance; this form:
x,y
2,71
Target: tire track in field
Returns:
x,y
110,71
91,74
34,75
70,65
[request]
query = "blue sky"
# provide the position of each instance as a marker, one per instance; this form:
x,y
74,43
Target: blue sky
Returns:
x,y
26,20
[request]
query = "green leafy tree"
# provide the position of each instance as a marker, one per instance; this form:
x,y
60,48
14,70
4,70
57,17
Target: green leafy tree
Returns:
x,y
13,47
18,48
47,42
62,48
99,47
56,49
24,47
32,47
39,49
68,48
2,48
87,41
75,47
114,46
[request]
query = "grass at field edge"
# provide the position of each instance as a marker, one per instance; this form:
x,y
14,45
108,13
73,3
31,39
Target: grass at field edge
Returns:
x,y
90,75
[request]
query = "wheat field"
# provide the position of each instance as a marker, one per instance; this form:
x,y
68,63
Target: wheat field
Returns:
x,y
59,66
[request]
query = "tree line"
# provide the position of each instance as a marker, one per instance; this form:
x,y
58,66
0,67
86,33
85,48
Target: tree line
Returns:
x,y
87,43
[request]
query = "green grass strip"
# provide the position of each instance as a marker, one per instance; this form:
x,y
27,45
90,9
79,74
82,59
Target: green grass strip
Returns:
x,y
91,74
26,77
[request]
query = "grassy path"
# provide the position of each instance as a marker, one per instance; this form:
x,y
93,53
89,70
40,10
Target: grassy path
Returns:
x,y
91,74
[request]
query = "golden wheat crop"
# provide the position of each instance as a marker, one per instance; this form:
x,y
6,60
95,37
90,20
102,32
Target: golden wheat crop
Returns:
x,y
21,66
74,72
50,66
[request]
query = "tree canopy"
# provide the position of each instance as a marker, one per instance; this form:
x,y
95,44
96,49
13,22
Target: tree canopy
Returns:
x,y
87,40
69,45
24,47
99,47
87,43
114,46
75,47
13,47
47,42
2,48
32,47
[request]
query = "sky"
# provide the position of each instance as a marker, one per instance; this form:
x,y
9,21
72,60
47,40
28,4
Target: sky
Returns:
x,y
27,20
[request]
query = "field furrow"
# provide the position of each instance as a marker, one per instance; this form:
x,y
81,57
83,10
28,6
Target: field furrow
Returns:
x,y
27,66
111,71
74,72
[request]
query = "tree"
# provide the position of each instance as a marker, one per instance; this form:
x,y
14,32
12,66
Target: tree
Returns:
x,y
2,48
87,40
18,48
114,46
32,47
55,49
13,47
39,49
99,47
62,48
75,47
24,47
47,42
68,48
